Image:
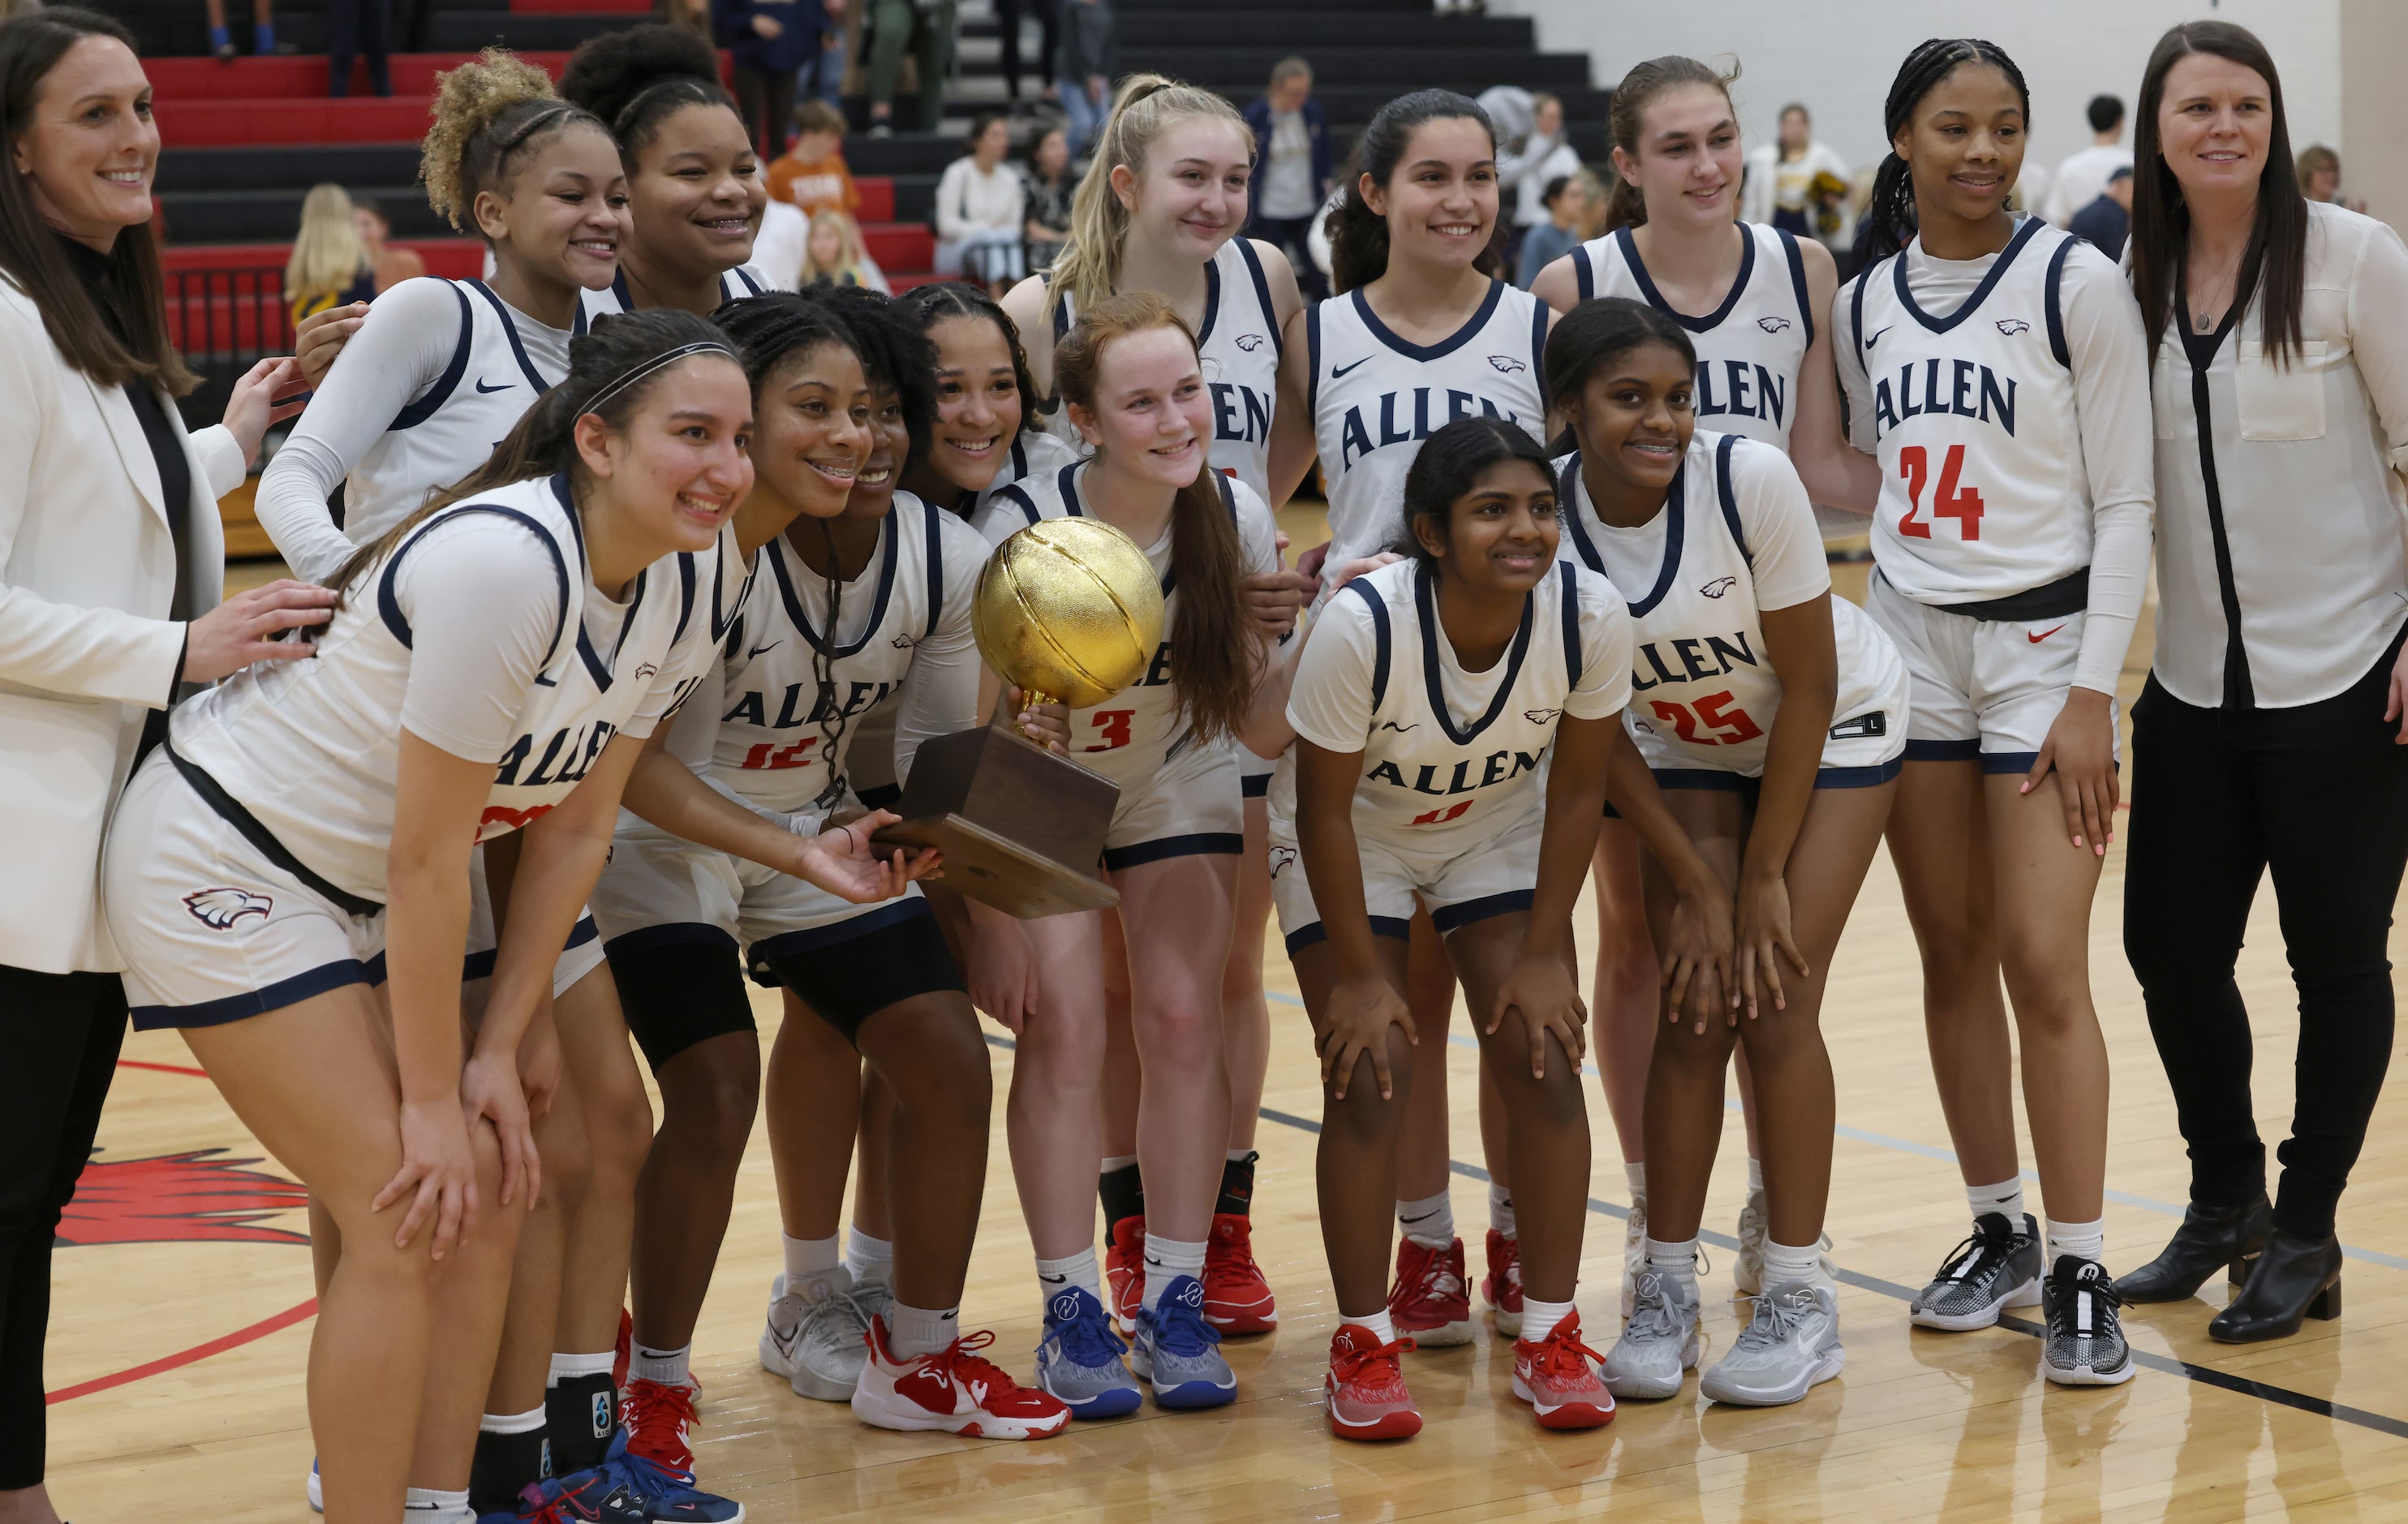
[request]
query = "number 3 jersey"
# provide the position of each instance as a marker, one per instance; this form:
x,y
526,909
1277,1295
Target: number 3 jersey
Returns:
x,y
1736,535
1128,737
1450,757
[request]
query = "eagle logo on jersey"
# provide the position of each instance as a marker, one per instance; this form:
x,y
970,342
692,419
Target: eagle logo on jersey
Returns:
x,y
906,642
1773,326
648,670
1540,716
1250,342
1719,586
220,908
1281,857
2012,326
1391,725
1506,364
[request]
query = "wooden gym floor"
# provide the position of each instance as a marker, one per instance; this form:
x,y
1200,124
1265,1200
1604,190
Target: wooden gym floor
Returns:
x,y
182,1325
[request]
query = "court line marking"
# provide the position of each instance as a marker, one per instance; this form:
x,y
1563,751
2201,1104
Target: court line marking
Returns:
x,y
164,1068
1907,1146
218,1345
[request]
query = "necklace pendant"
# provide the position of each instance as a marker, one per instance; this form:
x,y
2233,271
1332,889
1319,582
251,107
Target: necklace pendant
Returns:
x,y
2203,323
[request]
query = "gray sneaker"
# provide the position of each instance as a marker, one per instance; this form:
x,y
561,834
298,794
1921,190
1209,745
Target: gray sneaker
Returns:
x,y
1177,1353
815,1334
1659,1343
1998,1266
1747,1273
1792,1344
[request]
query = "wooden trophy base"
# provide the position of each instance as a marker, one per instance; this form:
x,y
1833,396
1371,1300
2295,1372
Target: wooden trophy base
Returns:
x,y
1021,828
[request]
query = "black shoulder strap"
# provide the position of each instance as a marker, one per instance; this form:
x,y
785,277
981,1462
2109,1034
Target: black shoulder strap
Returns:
x,y
687,581
1229,495
1856,313
1797,281
1584,271
1261,289
752,287
1723,452
389,602
1541,314
1567,513
445,384
1361,587
2055,302
1571,577
936,553
1312,358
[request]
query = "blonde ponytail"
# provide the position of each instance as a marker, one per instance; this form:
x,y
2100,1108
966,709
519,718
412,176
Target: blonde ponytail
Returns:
x,y
1148,104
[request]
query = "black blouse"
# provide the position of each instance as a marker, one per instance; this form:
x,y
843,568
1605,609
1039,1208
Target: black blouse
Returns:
x,y
167,447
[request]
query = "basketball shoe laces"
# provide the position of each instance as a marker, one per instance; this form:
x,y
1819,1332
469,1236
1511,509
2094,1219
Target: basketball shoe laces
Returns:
x,y
1653,1312
1089,1342
651,1406
959,1366
1776,1318
1376,1372
1433,1280
1560,1353
826,1303
1182,1330
1230,1261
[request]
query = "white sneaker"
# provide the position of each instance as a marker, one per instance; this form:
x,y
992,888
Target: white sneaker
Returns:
x,y
1747,1275
1634,1249
1659,1344
317,1493
1790,1346
816,1335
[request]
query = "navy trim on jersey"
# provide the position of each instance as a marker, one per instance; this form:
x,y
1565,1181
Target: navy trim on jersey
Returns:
x,y
1676,533
518,345
1856,309
445,384
723,621
687,578
389,605
1066,482
1396,927
1571,624
752,287
618,289
1723,452
1568,487
1943,751
1312,360
2054,303
1262,292
1433,674
1028,508
1381,643
1797,281
1019,457
1540,315
2008,762
1254,785
1872,777
1630,247
1446,918
1444,347
1211,302
1200,845
936,565
2023,234
1584,271
595,666
257,1002
888,555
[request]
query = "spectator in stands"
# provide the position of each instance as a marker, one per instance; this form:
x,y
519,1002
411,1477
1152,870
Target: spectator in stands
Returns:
x,y
1796,183
388,265
1545,156
358,29
2082,178
263,31
2107,222
329,265
1049,25
693,14
923,29
812,175
1083,68
1048,190
1567,204
2319,170
1291,169
981,205
821,76
835,255
768,41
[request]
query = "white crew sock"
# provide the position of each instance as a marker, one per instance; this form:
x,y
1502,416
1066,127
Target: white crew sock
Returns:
x,y
1784,1265
566,1367
1238,1155
510,1423
914,1331
869,1258
1539,1318
669,1367
1115,1162
1380,1325
809,1259
1755,1175
1678,1260
2082,1240
1167,1258
1500,1211
2006,1197
1637,1176
1428,1222
429,1499
1052,1275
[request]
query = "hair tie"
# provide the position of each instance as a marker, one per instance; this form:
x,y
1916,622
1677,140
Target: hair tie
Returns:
x,y
636,373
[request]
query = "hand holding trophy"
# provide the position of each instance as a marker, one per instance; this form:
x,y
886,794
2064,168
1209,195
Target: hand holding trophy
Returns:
x,y
1069,611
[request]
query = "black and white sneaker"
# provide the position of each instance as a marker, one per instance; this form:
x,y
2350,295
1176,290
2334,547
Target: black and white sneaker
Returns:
x,y
1997,1267
2085,1345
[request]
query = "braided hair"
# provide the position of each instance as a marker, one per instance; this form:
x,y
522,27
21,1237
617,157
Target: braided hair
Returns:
x,y
776,326
1890,219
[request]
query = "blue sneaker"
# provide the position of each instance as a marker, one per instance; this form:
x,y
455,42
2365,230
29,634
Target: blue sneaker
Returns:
x,y
587,1497
1078,1360
317,1495
1178,1353
629,1481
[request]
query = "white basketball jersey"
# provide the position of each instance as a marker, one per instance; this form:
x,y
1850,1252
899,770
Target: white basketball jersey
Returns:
x,y
449,429
1037,456
1984,493
771,749
1750,350
1430,775
743,280
1239,342
1376,398
311,747
1129,736
1700,681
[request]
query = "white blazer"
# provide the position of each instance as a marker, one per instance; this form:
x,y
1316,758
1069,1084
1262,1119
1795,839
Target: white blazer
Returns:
x,y
87,576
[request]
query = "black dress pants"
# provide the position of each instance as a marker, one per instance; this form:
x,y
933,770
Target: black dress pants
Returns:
x,y
2318,795
59,1039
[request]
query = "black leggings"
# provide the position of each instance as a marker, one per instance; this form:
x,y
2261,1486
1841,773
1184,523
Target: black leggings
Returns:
x,y
2318,795
60,1033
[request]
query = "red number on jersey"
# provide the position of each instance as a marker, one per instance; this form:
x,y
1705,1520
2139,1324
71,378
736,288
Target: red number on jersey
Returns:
x,y
1913,465
1682,720
1952,501
1114,723
1723,726
508,819
1439,817
765,755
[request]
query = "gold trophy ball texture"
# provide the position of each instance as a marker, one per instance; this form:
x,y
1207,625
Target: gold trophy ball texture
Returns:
x,y
1069,609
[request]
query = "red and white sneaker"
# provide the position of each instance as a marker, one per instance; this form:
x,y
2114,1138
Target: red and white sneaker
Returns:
x,y
1502,1288
1125,1274
1365,1390
1237,1298
955,1391
1430,1302
1557,1377
659,1419
624,1352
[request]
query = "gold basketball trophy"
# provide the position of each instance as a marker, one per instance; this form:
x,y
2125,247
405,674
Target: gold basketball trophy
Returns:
x,y
1069,611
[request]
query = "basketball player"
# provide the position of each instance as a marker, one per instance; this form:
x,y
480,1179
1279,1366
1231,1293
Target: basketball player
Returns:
x,y
1423,331
1775,719
1160,209
1133,383
461,693
1756,303
1996,368
988,433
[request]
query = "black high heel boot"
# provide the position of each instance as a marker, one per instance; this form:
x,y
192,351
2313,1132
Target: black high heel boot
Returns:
x,y
2209,1238
2294,1278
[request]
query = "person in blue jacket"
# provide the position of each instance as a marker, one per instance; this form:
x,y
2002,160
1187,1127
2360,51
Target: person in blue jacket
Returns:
x,y
1292,169
769,41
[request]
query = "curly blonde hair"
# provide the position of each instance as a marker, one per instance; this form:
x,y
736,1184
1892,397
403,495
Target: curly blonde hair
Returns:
x,y
487,112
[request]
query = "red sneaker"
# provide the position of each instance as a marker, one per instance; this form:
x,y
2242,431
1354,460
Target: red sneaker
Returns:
x,y
1502,1288
1237,1298
1431,1303
954,1391
659,1420
1365,1390
1124,1273
625,1347
1557,1377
